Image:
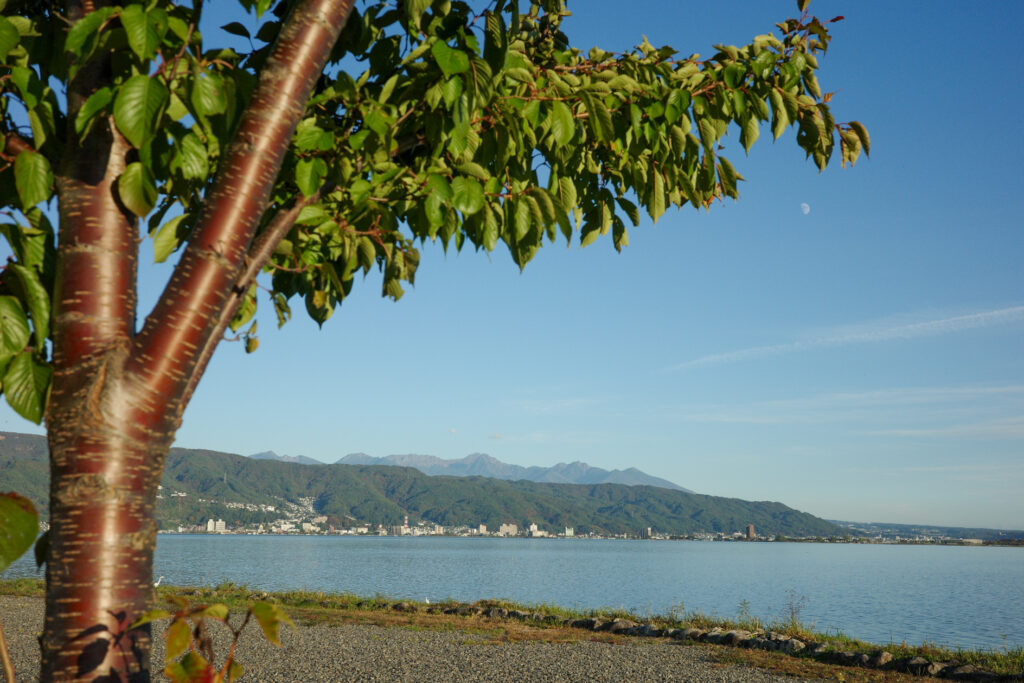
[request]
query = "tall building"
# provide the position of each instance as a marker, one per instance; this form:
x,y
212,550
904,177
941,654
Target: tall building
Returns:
x,y
750,532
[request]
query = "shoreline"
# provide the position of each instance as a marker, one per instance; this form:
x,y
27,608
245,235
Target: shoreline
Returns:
x,y
788,648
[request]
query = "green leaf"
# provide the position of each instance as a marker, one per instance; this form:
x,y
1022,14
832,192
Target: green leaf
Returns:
x,y
81,37
167,239
567,193
656,206
178,638
235,671
151,615
142,36
563,125
780,119
269,617
209,96
599,118
42,549
310,174
523,217
414,10
9,37
734,74
137,108
14,329
19,525
467,195
749,132
236,29
191,158
474,169
862,134
450,60
96,103
217,611
137,189
245,311
38,300
26,384
33,178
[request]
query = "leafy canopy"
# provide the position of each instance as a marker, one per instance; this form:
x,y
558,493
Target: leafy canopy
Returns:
x,y
434,120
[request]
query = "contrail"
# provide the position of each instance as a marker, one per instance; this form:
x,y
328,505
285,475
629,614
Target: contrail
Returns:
x,y
909,331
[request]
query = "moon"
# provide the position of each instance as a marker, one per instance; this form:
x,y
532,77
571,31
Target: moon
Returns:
x,y
805,208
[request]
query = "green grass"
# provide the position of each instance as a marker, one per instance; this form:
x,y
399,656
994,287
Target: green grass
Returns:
x,y
338,607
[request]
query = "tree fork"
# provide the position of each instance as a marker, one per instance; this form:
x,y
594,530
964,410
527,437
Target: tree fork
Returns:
x,y
117,398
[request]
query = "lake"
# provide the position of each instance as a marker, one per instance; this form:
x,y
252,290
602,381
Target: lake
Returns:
x,y
949,595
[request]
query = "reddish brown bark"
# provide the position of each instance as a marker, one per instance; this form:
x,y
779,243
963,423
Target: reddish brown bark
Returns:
x,y
117,397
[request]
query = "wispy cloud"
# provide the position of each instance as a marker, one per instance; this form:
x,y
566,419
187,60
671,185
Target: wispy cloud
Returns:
x,y
962,411
866,334
1010,427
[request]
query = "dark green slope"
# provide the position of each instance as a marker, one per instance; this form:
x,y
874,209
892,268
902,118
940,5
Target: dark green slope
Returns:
x,y
385,494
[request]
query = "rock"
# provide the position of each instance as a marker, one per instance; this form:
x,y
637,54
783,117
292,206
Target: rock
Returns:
x,y
619,625
670,632
588,624
861,659
920,666
734,637
646,631
518,614
497,613
792,645
403,607
880,659
693,633
968,672
818,649
715,635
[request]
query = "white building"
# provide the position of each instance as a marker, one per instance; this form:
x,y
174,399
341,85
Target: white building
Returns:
x,y
508,530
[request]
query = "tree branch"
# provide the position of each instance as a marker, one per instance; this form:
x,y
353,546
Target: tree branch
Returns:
x,y
260,253
14,145
174,338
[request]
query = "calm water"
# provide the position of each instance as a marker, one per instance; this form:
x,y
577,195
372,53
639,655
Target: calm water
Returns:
x,y
957,596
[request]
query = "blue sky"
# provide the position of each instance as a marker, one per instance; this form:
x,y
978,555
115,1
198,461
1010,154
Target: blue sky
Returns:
x,y
860,360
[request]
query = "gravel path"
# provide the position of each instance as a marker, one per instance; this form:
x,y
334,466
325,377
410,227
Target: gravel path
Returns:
x,y
372,653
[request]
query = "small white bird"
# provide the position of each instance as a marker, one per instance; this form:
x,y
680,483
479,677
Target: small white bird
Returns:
x,y
157,582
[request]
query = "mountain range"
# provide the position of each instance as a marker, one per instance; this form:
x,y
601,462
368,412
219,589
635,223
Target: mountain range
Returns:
x,y
202,484
483,465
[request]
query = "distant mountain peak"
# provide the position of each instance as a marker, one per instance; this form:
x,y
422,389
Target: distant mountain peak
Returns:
x,y
271,455
484,465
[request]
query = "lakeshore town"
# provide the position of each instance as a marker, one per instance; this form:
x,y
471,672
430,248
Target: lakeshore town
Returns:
x,y
301,518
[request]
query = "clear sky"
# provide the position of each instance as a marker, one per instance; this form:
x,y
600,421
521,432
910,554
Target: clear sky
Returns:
x,y
848,343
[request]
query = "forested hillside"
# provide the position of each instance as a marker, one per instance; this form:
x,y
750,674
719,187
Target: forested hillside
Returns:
x,y
385,494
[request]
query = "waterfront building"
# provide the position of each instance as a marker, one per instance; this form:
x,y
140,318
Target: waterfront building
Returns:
x,y
750,532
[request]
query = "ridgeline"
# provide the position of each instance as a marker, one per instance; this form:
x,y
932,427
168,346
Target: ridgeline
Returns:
x,y
216,483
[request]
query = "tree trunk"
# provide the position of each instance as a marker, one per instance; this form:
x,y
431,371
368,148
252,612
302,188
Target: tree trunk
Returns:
x,y
117,396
